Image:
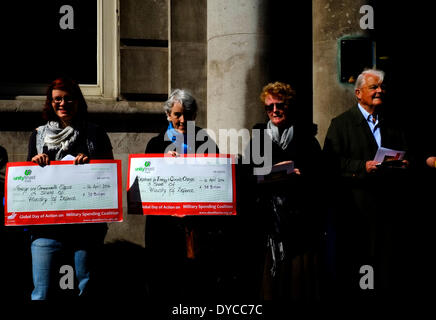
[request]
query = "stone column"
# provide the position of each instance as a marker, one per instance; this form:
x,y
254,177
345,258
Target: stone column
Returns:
x,y
236,64
188,51
332,20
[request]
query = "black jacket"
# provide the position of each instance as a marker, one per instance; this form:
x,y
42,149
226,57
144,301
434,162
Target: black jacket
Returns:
x,y
348,145
161,142
90,134
166,235
304,149
285,209
349,142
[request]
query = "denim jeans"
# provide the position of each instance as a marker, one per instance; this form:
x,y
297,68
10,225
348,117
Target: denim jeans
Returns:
x,y
46,264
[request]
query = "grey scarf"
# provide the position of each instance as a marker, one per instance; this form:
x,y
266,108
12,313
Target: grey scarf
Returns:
x,y
283,140
55,138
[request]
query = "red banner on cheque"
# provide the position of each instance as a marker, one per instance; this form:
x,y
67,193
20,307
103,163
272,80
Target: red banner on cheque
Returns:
x,y
62,193
185,185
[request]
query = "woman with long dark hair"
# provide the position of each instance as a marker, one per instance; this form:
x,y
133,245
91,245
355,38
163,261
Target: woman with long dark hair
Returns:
x,y
67,132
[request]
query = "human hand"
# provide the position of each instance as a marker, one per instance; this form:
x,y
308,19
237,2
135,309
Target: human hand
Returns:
x,y
81,159
282,163
371,166
41,159
173,153
295,171
431,162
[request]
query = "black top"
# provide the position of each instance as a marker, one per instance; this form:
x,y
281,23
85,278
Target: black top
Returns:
x,y
283,209
167,234
88,133
304,149
161,142
350,143
3,161
102,149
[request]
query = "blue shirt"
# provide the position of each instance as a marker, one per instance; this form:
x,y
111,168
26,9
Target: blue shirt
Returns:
x,y
375,129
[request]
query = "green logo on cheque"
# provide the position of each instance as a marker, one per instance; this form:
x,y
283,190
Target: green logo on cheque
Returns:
x,y
147,164
26,177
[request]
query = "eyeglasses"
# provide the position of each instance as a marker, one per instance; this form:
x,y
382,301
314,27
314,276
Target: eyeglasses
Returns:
x,y
66,99
279,106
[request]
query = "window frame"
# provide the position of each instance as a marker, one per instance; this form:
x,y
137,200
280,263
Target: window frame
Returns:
x,y
107,52
108,79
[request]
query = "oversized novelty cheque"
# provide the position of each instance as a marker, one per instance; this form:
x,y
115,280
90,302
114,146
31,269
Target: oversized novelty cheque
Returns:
x,y
62,192
185,185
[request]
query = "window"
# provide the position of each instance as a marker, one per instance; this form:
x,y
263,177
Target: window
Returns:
x,y
46,39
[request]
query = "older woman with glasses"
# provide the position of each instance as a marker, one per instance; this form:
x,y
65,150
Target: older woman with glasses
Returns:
x,y
67,132
182,246
283,205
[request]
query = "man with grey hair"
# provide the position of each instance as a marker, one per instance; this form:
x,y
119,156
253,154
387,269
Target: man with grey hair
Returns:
x,y
363,199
